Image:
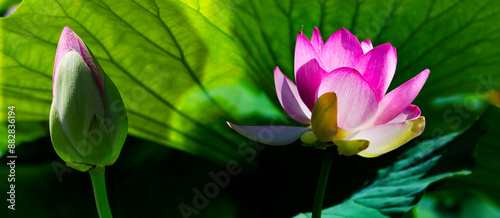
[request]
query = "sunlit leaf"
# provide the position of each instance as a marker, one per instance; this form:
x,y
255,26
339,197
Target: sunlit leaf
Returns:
x,y
180,75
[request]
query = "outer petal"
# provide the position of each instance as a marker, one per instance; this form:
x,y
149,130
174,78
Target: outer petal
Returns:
x,y
378,67
316,40
411,112
116,117
70,41
77,106
342,49
357,100
271,135
308,78
290,99
304,52
366,45
399,99
387,137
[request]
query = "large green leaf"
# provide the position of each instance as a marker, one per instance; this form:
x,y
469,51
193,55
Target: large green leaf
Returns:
x,y
180,75
24,132
184,67
485,178
469,206
398,187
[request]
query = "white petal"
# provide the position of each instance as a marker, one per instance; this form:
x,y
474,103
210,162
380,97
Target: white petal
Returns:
x,y
387,137
270,135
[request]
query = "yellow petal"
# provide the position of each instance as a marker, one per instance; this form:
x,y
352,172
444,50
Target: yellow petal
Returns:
x,y
368,155
308,138
342,133
351,147
324,117
387,137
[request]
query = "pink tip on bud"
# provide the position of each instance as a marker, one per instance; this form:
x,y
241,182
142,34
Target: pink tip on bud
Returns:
x,y
70,41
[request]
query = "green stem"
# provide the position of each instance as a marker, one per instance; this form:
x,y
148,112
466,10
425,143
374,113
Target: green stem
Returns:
x,y
321,187
101,198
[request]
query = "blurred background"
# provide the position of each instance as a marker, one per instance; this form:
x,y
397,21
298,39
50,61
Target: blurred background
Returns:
x,y
184,68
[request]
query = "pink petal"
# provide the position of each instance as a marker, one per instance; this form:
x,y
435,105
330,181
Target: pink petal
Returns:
x,y
67,41
316,40
411,112
399,99
366,45
270,135
342,49
387,137
70,41
308,78
378,67
357,100
290,99
304,52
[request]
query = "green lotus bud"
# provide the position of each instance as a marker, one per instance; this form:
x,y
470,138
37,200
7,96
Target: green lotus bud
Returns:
x,y
88,121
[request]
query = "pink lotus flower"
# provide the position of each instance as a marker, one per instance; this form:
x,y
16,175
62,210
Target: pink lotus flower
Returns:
x,y
341,92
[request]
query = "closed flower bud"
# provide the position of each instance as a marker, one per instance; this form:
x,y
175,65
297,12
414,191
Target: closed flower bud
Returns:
x,y
88,121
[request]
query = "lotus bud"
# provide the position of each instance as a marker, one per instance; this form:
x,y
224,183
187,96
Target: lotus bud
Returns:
x,y
88,121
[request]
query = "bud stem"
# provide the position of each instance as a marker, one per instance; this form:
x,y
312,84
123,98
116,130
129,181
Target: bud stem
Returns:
x,y
101,198
322,181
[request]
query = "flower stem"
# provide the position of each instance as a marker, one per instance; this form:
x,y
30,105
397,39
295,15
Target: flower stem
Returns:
x,y
101,198
321,187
